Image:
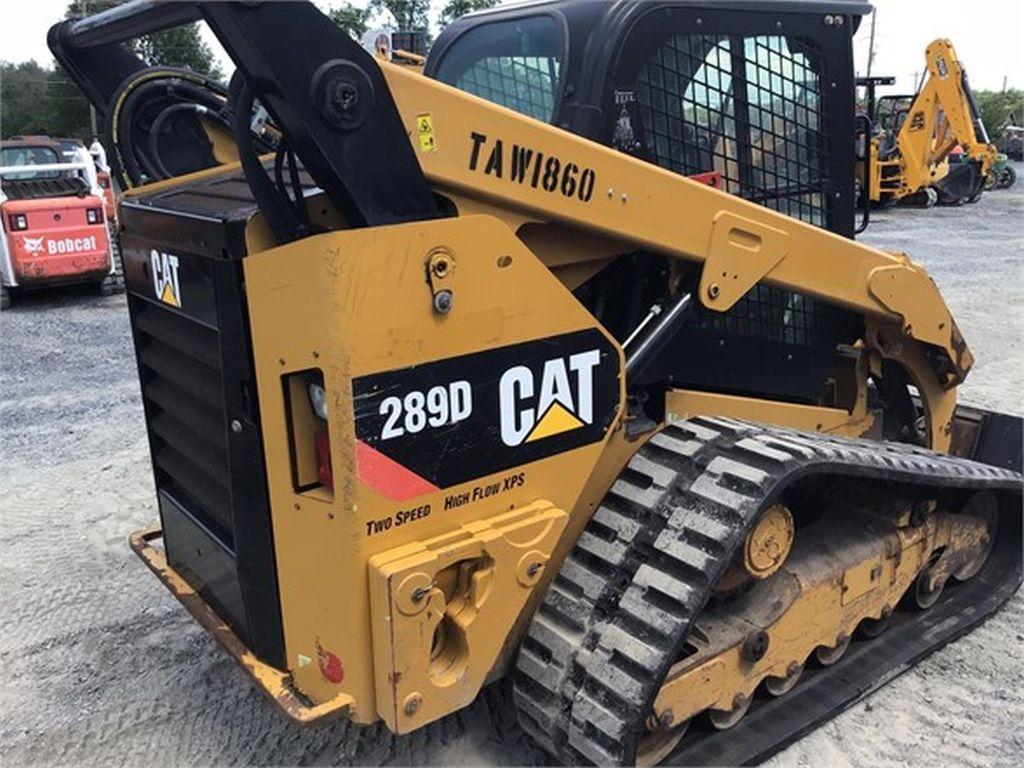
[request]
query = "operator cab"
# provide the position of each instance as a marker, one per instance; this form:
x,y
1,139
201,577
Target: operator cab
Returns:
x,y
756,98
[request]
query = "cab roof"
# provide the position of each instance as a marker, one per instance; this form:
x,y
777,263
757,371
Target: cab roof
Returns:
x,y
606,19
615,7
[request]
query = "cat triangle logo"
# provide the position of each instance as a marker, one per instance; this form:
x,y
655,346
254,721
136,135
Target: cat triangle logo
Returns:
x,y
165,278
555,421
168,297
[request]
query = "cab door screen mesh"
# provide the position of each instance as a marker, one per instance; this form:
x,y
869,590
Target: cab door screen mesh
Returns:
x,y
750,109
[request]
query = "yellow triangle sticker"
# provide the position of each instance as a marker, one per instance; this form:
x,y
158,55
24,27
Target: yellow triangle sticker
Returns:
x,y
555,421
168,297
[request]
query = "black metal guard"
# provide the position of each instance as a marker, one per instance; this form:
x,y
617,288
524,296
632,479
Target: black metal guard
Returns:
x,y
332,102
866,129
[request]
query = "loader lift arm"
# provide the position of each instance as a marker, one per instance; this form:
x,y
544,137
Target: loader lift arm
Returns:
x,y
345,113
739,243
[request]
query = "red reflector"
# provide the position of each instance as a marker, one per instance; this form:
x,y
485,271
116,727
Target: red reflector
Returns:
x,y
711,178
323,458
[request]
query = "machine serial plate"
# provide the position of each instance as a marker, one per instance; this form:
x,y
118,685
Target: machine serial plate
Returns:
x,y
427,427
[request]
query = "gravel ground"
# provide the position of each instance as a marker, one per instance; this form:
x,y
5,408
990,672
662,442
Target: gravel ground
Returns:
x,y
102,665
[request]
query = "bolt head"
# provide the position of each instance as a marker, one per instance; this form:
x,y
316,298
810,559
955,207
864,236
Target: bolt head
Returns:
x,y
755,646
443,301
713,291
412,704
236,426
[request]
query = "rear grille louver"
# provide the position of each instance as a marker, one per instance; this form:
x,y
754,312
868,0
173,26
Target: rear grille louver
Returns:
x,y
183,394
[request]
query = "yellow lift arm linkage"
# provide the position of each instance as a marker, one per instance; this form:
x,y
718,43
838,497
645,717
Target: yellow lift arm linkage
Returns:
x,y
493,160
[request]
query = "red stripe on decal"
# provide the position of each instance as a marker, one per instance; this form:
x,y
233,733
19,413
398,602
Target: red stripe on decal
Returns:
x,y
387,476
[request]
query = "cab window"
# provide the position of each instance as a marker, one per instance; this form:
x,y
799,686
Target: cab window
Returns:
x,y
28,156
515,63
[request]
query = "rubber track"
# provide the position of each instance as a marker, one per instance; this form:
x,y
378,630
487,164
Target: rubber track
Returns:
x,y
617,614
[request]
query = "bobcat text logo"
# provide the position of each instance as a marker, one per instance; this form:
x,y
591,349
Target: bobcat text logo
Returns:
x,y
165,278
555,399
32,244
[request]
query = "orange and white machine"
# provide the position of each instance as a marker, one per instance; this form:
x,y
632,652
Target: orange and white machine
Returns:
x,y
54,220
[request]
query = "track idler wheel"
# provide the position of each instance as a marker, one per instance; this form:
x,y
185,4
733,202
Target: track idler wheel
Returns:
x,y
985,507
829,656
725,719
779,686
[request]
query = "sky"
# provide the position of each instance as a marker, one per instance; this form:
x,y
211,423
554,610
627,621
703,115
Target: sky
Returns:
x,y
988,35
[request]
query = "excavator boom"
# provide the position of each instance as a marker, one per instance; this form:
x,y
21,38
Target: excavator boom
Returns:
x,y
942,115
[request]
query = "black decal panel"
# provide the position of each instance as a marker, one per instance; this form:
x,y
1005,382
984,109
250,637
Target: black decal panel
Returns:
x,y
461,418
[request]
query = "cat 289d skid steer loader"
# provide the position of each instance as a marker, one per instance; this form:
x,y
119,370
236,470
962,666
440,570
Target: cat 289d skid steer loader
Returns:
x,y
451,374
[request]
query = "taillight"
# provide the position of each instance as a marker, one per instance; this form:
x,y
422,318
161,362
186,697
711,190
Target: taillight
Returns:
x,y
321,439
94,215
18,222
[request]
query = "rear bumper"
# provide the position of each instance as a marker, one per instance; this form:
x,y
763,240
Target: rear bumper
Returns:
x,y
270,680
60,256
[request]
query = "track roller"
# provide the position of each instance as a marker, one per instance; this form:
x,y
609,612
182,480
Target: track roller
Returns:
x,y
723,720
779,686
829,656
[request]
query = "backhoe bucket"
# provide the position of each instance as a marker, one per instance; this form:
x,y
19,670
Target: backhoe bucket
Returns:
x,y
961,184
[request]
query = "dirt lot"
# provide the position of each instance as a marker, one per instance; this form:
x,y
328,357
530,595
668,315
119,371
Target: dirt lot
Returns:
x,y
102,665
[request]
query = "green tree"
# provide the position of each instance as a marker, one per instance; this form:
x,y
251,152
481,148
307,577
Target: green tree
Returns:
x,y
453,9
66,109
407,14
23,88
351,18
996,107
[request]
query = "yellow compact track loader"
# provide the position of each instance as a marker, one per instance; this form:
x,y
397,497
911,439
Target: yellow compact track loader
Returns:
x,y
908,160
451,374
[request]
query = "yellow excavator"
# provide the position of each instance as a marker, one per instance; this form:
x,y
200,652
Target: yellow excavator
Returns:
x,y
908,156
451,374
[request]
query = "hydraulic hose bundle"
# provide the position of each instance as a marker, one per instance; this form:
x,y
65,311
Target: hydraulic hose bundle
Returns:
x,y
162,122
154,128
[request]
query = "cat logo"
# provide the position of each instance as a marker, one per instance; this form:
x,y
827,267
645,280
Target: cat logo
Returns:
x,y
561,401
165,278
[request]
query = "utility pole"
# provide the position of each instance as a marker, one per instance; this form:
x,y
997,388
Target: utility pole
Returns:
x,y
1005,77
871,43
92,110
